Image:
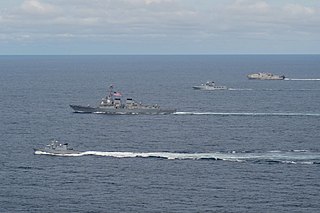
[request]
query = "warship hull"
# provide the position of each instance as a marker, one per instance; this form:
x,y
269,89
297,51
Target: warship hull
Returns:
x,y
209,87
121,111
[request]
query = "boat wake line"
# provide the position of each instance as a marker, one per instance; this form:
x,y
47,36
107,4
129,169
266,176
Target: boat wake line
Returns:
x,y
302,79
288,114
287,157
240,89
276,90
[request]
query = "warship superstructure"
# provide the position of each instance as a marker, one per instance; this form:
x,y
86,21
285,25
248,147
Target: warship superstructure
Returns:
x,y
113,104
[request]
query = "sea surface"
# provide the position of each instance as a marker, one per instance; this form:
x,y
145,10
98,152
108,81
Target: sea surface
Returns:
x,y
252,148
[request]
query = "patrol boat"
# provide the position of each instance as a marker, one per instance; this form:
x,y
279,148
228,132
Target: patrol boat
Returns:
x,y
112,104
55,147
209,85
265,76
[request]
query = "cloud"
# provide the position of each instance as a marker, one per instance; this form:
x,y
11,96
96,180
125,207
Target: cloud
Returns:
x,y
175,21
157,1
255,6
160,17
37,7
296,9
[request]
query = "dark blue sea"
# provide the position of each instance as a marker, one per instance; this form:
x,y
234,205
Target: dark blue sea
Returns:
x,y
252,148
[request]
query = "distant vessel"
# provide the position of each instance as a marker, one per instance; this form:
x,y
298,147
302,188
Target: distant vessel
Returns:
x,y
112,104
55,147
210,85
265,76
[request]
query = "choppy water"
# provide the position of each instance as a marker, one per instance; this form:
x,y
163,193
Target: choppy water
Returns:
x,y
252,148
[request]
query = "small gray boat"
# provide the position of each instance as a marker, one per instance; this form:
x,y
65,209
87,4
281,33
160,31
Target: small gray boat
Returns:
x,y
112,104
209,85
55,147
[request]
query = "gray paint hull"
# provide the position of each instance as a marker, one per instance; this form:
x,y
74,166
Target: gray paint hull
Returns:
x,y
121,111
209,88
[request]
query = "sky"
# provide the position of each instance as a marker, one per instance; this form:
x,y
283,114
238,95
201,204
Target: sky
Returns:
x,y
142,27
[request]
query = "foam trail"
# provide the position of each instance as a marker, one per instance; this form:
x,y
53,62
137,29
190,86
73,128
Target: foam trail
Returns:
x,y
288,157
276,90
302,79
165,155
248,114
240,89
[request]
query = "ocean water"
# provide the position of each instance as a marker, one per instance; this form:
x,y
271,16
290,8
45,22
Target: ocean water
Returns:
x,y
252,148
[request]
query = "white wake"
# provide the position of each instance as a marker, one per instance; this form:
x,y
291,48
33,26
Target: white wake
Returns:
x,y
292,157
248,113
302,79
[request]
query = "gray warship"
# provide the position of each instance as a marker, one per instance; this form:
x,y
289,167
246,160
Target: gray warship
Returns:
x,y
265,76
114,105
55,147
209,85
